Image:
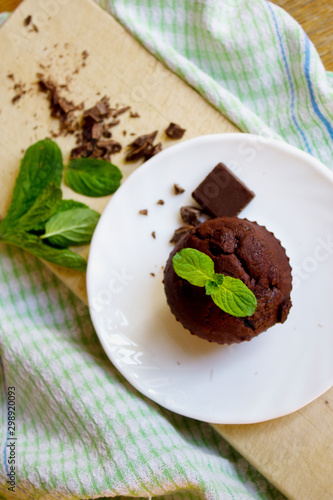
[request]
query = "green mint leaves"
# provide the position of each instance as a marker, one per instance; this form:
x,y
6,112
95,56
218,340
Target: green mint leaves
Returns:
x,y
39,221
92,177
230,294
193,266
71,227
40,166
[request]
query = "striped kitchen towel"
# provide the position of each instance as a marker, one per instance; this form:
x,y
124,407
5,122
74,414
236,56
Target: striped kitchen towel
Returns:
x,y
249,59
82,431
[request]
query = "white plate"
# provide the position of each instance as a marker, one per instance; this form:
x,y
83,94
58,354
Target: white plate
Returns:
x,y
276,373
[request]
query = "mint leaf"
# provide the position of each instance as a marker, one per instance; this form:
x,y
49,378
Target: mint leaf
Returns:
x,y
33,244
44,207
92,177
41,164
229,294
233,297
69,204
193,266
71,227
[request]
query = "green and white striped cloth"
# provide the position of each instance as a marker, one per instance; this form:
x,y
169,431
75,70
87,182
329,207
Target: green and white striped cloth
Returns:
x,y
82,431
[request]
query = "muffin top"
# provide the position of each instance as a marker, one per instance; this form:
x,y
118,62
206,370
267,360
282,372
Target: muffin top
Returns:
x,y
241,249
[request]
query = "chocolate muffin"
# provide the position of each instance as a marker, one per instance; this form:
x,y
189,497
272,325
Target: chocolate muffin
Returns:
x,y
241,249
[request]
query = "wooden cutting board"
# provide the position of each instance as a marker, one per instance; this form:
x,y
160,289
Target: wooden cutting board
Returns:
x,y
295,452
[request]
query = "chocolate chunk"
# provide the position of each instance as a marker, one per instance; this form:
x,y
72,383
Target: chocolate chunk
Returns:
x,y
160,202
174,131
222,194
180,232
190,215
143,212
178,189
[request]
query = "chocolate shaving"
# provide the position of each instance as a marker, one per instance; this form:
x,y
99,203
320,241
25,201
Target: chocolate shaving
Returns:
x,y
179,233
121,111
178,189
20,90
27,20
143,147
153,151
93,129
174,131
190,215
60,107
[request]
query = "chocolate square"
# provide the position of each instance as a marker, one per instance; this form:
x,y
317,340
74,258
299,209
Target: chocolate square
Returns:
x,y
221,193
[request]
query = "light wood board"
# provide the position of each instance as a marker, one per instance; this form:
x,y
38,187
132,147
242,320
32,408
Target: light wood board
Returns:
x,y
295,452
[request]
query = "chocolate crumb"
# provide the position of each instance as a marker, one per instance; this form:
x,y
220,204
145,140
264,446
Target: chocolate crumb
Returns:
x,y
85,54
190,215
143,212
34,27
178,189
179,233
152,274
160,202
153,235
124,132
174,131
27,20
107,134
134,114
10,76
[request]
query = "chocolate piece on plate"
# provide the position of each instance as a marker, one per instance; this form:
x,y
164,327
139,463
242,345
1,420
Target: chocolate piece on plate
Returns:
x,y
178,189
180,232
222,194
174,131
190,215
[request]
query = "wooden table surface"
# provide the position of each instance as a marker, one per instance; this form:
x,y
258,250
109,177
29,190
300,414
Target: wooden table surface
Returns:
x,y
315,17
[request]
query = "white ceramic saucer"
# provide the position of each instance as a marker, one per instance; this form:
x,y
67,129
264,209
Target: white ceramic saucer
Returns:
x,y
276,373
